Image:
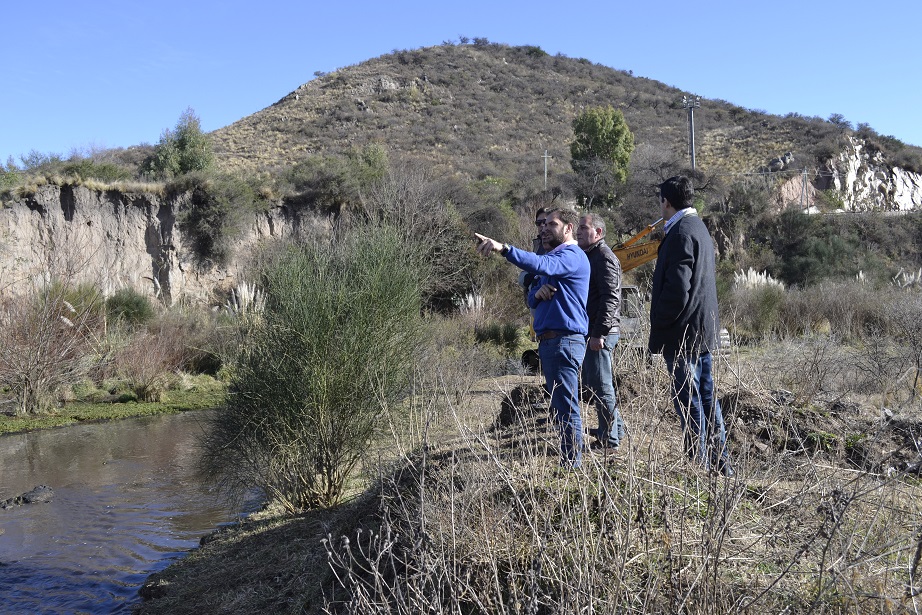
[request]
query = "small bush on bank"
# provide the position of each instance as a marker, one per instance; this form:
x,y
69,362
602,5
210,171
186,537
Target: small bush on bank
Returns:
x,y
46,344
129,306
195,335
148,364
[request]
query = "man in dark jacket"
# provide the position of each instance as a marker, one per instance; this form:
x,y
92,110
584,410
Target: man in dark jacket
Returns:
x,y
684,323
604,310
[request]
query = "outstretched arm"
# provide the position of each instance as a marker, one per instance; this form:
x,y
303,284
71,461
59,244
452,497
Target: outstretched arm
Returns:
x,y
487,246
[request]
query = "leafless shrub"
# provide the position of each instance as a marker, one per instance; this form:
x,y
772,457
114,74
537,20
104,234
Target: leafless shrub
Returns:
x,y
808,367
905,314
46,345
149,363
409,198
879,368
847,310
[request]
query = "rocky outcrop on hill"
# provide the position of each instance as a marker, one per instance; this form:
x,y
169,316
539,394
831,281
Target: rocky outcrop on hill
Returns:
x,y
115,240
862,178
868,183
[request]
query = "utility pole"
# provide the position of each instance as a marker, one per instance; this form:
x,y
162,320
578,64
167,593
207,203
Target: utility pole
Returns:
x,y
691,104
546,157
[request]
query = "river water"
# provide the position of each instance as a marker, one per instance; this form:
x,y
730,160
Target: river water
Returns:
x,y
126,504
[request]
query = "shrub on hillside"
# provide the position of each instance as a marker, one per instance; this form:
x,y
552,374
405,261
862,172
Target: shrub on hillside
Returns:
x,y
334,183
86,168
182,150
219,208
313,379
9,177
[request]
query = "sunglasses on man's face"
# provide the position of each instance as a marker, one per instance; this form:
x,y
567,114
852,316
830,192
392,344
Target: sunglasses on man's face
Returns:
x,y
540,223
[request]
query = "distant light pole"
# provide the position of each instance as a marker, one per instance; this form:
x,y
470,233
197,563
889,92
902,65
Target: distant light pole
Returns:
x,y
691,104
546,157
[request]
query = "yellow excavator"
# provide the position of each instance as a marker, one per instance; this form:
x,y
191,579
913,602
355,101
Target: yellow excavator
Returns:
x,y
631,254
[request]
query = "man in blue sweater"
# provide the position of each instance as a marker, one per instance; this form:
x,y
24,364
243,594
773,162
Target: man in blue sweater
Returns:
x,y
561,323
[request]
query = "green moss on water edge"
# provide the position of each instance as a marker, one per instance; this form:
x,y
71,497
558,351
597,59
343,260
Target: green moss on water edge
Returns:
x,y
210,395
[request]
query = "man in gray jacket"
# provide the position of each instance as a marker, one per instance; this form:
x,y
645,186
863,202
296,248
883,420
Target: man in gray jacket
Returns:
x,y
684,323
604,309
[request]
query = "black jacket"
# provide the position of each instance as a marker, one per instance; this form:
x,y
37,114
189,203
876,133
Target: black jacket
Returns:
x,y
604,303
683,307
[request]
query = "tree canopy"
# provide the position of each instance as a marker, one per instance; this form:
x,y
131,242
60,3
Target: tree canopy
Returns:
x,y
181,150
600,152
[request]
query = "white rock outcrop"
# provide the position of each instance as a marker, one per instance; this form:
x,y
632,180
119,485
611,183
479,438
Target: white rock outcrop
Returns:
x,y
867,183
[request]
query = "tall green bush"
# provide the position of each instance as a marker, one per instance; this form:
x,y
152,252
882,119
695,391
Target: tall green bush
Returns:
x,y
313,379
600,153
182,150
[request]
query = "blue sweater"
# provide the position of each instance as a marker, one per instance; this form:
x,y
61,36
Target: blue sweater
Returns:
x,y
566,268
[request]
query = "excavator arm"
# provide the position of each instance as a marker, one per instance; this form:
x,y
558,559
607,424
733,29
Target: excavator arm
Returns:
x,y
631,255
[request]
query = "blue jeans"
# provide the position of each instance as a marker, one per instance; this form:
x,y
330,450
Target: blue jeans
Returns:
x,y
561,358
598,379
705,435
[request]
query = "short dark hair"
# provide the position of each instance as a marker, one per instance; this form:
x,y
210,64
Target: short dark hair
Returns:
x,y
567,216
678,191
543,210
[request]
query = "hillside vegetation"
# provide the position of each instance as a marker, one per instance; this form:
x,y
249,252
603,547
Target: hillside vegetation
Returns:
x,y
491,110
480,119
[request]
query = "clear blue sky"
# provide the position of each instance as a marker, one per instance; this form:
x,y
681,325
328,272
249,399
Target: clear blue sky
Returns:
x,y
107,73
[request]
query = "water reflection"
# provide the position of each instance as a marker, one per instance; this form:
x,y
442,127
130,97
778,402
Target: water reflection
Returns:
x,y
126,502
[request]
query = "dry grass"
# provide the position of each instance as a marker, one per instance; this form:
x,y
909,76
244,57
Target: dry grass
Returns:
x,y
480,519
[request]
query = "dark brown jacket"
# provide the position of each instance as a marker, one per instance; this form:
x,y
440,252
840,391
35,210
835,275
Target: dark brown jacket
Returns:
x,y
604,303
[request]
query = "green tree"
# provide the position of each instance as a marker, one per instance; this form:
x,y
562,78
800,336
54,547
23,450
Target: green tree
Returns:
x,y
600,153
181,150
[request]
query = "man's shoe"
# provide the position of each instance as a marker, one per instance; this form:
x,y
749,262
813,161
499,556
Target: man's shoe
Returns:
x,y
724,469
604,448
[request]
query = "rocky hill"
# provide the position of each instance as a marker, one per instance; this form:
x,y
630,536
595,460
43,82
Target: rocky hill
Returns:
x,y
491,110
